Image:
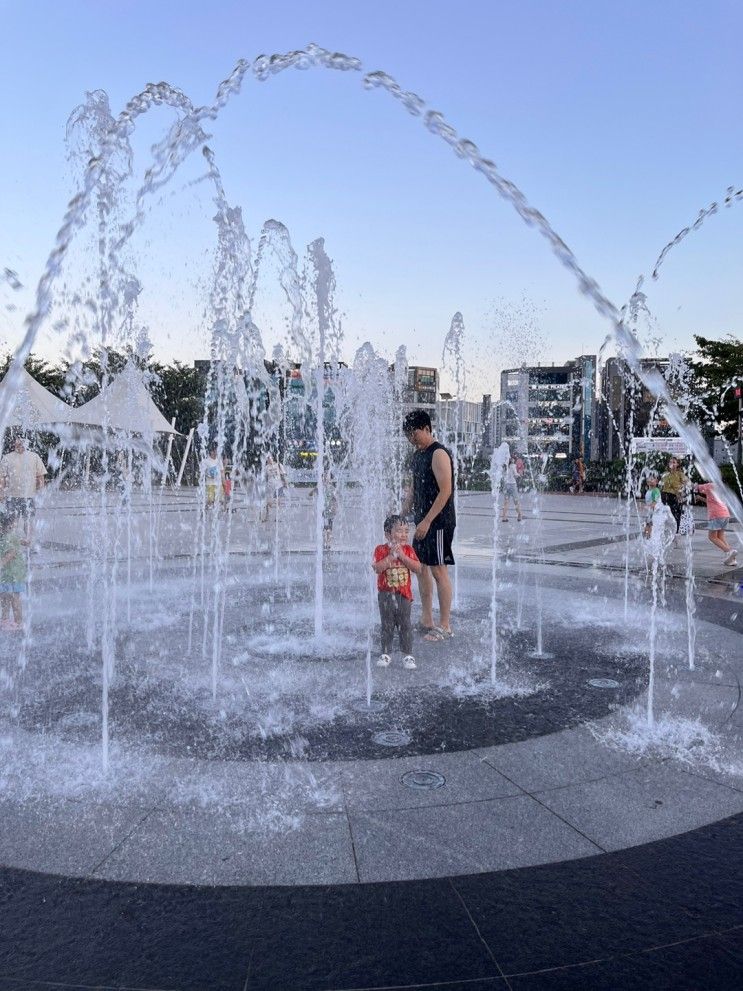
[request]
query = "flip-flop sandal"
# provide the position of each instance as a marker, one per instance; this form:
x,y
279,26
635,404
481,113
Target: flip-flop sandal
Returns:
x,y
424,629
437,634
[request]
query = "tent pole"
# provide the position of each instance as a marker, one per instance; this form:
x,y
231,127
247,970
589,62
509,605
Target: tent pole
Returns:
x,y
167,456
184,458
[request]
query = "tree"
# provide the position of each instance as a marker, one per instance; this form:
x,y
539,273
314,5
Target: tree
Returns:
x,y
718,369
50,376
179,392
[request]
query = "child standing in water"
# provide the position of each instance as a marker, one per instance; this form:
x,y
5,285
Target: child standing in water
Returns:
x,y
393,562
12,574
652,501
511,491
213,472
329,510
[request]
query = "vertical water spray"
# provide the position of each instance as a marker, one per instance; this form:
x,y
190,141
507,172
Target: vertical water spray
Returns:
x,y
661,538
453,362
537,482
371,462
400,383
236,346
679,376
498,464
328,339
89,136
278,244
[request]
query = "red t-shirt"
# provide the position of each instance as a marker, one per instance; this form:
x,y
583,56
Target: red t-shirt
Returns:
x,y
395,579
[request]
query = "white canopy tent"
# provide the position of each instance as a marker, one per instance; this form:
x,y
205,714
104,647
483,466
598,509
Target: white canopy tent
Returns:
x,y
31,406
126,405
123,406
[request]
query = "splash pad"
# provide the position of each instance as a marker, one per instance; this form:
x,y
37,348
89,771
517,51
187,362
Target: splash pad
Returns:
x,y
239,673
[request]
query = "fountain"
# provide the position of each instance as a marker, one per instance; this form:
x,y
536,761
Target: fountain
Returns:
x,y
498,465
189,640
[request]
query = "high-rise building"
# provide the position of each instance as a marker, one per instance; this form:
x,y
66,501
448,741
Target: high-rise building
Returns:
x,y
549,409
459,421
422,389
626,407
584,425
488,426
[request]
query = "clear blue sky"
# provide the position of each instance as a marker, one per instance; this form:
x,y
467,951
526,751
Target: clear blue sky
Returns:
x,y
618,120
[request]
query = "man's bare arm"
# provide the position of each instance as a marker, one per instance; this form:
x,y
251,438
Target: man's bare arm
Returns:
x,y
441,466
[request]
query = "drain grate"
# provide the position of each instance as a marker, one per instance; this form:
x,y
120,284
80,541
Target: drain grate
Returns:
x,y
391,738
361,705
423,780
603,683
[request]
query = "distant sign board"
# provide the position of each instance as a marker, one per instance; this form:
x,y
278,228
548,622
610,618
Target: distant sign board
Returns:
x,y
660,445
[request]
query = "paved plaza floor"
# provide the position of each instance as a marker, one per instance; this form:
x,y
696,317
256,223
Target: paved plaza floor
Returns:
x,y
480,826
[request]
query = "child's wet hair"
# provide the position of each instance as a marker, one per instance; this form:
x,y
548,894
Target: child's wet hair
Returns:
x,y
392,521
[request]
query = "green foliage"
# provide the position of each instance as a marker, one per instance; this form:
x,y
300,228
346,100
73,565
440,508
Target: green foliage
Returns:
x,y
559,478
718,367
52,377
179,392
728,476
474,475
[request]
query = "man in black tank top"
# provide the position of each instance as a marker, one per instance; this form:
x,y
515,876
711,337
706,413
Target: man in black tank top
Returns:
x,y
432,503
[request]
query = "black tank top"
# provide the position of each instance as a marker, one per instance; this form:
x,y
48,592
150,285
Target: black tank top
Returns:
x,y
425,488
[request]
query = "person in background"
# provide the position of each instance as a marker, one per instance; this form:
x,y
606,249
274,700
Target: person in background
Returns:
x,y
275,485
511,491
674,486
213,472
13,572
579,476
22,475
718,517
227,487
652,501
329,509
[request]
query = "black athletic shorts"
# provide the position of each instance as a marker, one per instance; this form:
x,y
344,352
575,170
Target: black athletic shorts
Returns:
x,y
435,548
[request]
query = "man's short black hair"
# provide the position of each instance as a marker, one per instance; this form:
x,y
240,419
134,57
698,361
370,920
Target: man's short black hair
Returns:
x,y
392,521
416,419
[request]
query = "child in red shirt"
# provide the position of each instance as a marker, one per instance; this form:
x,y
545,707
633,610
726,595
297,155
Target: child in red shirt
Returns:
x,y
393,563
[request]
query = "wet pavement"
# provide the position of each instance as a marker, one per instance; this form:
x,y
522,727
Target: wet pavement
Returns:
x,y
549,854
